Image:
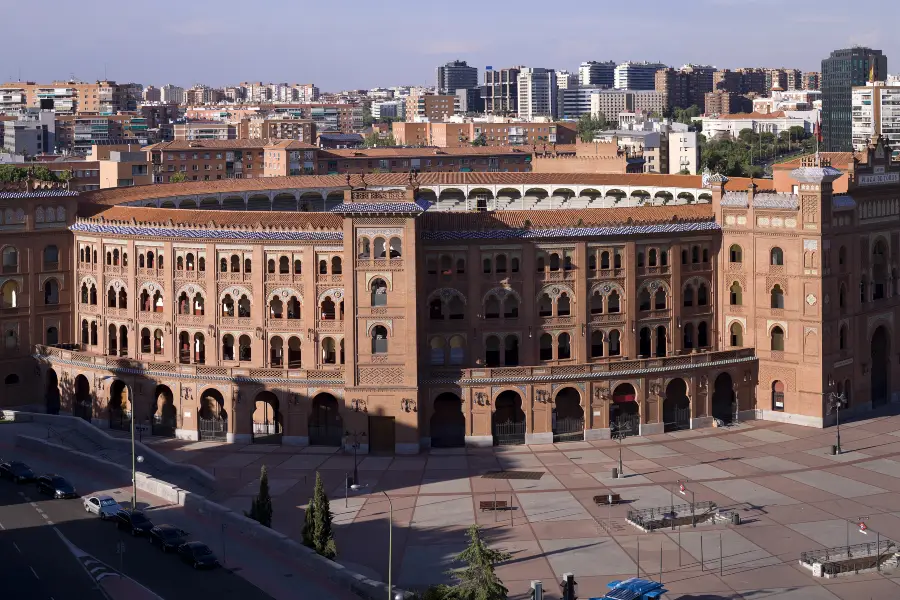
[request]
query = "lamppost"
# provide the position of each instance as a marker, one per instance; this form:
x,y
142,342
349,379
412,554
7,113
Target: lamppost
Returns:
x,y
834,402
618,433
355,445
134,457
356,487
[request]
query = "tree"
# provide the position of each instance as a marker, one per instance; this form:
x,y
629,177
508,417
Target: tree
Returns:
x,y
261,506
477,580
589,125
309,524
178,177
480,140
375,139
323,536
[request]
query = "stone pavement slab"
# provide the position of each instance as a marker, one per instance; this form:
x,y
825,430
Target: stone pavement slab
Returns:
x,y
276,487
552,506
236,460
768,436
829,534
654,451
701,472
434,512
546,482
425,565
595,556
885,466
650,496
835,484
748,492
793,593
714,444
304,461
458,485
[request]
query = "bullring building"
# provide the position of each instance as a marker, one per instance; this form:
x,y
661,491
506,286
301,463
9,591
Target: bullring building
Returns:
x,y
452,309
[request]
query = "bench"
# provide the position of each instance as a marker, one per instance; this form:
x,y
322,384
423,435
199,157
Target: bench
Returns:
x,y
493,505
607,499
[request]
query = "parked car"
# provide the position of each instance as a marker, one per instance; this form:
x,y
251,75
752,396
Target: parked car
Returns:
x,y
104,507
56,486
167,537
198,555
133,521
17,471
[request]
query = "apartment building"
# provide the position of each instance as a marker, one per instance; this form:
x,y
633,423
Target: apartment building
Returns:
x,y
612,102
389,109
636,75
456,75
684,87
722,102
876,111
207,160
202,94
328,117
501,91
151,94
205,130
538,93
125,169
424,160
32,132
812,80
278,128
495,133
171,94
741,81
70,97
431,107
77,133
576,101
593,73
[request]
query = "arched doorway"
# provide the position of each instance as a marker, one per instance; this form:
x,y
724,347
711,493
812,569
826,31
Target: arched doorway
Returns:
x,y
164,412
508,419
266,419
82,406
676,406
448,424
723,399
880,373
119,409
212,421
624,414
326,427
51,393
568,416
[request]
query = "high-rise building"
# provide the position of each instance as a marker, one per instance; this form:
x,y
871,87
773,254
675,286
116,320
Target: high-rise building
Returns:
x,y
636,75
841,72
501,91
876,110
151,94
684,87
171,94
597,73
431,107
812,81
538,93
565,80
776,79
456,75
794,79
576,101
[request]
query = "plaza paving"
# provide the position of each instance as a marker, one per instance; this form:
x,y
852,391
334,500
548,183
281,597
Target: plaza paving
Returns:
x,y
792,495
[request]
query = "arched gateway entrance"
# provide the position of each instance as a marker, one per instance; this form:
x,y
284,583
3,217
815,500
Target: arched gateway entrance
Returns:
x,y
326,428
448,424
266,419
82,405
676,406
508,419
213,419
568,416
624,414
164,413
119,407
880,374
51,393
723,400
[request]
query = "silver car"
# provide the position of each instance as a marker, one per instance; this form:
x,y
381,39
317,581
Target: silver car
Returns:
x,y
105,507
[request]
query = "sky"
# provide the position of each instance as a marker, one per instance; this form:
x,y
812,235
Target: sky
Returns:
x,y
350,44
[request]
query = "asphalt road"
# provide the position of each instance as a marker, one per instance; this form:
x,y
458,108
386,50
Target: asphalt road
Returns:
x,y
59,575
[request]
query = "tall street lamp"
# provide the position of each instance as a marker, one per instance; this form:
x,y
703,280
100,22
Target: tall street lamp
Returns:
x,y
134,457
356,487
619,432
833,403
355,444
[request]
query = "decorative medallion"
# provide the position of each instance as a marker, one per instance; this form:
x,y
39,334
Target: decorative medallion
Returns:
x,y
811,299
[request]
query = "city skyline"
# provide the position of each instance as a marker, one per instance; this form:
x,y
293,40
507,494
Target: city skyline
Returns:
x,y
171,54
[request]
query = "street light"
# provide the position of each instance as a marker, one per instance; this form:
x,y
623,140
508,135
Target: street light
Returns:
x,y
834,403
356,487
355,445
134,458
618,433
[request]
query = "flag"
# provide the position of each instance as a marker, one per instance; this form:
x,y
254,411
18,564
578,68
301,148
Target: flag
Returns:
x,y
871,70
817,129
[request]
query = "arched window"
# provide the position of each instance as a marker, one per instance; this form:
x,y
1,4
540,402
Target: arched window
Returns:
x,y
684,256
436,350
777,339
457,350
140,261
12,340
592,262
144,301
227,306
735,254
737,296
379,340
500,266
295,355
706,255
298,267
842,258
596,303
661,341
664,258
248,265
115,258
514,264
10,260
702,335
244,307
244,347
842,297
651,257
235,264
228,347
336,266
486,265
284,266
85,335
688,296
199,304
545,306
110,298
777,395
158,302
108,257
293,308
323,267
84,293
112,335
510,307
546,347
777,300
563,305
94,333
51,258
842,338
688,336
612,302
604,260
640,259
776,257
327,312
159,262
276,352
563,346
158,341
396,248
492,351
617,259
460,266
145,341
596,344
436,310
379,292
223,265
695,254
511,351
363,247
123,298
615,347
93,300
702,295
329,351
379,248
644,299
51,292
188,261
276,308
659,299
540,263
554,261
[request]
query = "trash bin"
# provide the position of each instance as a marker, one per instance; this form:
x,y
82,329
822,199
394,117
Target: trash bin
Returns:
x,y
833,449
735,518
615,473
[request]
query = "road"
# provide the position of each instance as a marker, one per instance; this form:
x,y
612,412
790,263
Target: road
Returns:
x,y
43,567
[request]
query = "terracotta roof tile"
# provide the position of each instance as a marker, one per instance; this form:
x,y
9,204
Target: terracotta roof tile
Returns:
x,y
179,145
221,218
424,152
839,160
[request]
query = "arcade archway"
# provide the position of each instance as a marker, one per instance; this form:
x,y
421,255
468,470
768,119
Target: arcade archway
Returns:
x,y
83,405
624,413
51,393
212,421
508,419
880,374
568,416
326,427
119,408
267,427
676,406
164,414
448,423
723,401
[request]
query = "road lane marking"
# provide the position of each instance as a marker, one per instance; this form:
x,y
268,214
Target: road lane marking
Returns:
x,y
33,504
34,572
2,528
17,548
49,522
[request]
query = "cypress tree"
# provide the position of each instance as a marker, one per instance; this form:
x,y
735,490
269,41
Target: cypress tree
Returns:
x,y
309,524
261,506
323,537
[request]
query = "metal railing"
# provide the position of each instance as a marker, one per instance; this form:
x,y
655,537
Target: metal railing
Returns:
x,y
843,554
649,517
